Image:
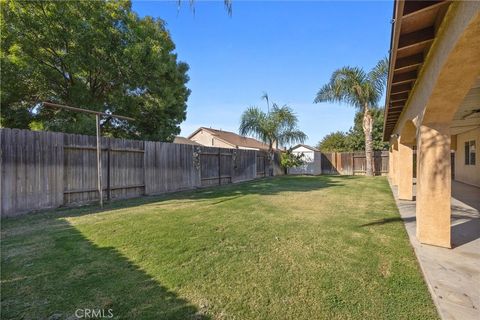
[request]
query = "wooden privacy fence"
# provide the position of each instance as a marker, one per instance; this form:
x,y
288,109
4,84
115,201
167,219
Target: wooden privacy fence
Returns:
x,y
42,170
353,163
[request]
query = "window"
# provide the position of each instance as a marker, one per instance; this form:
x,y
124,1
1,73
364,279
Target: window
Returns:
x,y
470,152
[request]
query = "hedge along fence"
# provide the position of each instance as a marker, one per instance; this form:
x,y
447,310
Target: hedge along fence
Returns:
x,y
41,170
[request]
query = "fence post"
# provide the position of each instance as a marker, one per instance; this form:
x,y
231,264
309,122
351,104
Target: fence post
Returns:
x,y
144,168
219,168
109,195
99,161
352,162
265,166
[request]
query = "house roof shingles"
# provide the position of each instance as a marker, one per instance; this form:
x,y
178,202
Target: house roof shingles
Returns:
x,y
305,146
233,138
183,140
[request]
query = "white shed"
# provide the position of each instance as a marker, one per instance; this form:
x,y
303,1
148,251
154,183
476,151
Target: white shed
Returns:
x,y
312,158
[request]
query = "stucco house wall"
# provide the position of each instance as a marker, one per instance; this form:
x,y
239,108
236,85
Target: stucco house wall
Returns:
x,y
312,160
205,138
469,174
225,139
308,154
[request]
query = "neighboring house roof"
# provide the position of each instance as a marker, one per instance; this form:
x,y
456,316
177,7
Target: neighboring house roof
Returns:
x,y
233,138
182,140
305,146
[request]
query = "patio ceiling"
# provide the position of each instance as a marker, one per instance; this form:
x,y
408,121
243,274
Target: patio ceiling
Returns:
x,y
467,116
415,25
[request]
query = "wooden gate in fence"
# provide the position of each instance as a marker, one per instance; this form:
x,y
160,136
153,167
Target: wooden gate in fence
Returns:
x,y
262,158
216,166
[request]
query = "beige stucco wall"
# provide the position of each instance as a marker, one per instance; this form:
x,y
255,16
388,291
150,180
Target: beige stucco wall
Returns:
x,y
467,173
205,139
308,155
451,68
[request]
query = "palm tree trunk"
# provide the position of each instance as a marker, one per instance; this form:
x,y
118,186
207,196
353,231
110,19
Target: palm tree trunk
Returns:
x,y
270,159
367,130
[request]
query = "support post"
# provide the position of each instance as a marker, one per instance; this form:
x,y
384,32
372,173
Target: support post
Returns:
x,y
434,184
405,167
394,167
99,161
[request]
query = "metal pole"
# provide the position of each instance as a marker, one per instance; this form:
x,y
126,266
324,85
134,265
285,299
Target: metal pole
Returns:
x,y
61,106
99,161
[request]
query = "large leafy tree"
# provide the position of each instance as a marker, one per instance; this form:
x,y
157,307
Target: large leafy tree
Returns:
x,y
362,90
96,55
334,142
278,126
354,139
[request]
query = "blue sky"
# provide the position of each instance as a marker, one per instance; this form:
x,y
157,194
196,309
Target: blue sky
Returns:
x,y
285,48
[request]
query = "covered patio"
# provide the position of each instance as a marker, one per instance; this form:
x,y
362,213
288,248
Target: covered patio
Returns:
x,y
433,110
432,121
452,275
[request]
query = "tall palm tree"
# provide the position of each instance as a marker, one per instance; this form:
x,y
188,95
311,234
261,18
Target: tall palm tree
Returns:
x,y
362,90
277,126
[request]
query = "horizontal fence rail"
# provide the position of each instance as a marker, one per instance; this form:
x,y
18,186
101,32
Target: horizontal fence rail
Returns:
x,y
41,170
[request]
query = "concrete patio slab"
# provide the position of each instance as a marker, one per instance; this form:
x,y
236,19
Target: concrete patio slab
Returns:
x,y
452,275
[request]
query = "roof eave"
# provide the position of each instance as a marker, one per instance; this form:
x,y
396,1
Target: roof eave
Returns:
x,y
395,35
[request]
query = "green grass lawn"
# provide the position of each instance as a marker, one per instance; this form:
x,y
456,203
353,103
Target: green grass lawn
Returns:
x,y
326,247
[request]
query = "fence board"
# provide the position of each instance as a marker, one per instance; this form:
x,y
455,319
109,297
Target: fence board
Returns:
x,y
46,170
30,171
353,163
244,165
170,167
261,163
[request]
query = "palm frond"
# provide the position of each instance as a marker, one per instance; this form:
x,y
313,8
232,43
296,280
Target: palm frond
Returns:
x,y
284,115
280,125
228,6
377,78
292,136
346,85
227,3
265,97
254,122
353,86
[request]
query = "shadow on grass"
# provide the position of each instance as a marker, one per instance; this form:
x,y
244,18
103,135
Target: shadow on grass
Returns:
x,y
383,221
461,233
52,273
52,269
224,193
386,221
